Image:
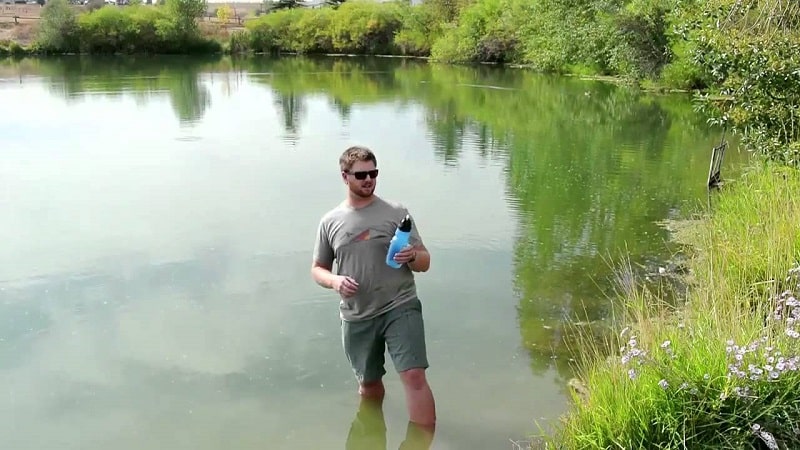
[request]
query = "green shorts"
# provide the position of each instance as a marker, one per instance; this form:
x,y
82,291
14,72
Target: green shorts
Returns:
x,y
400,330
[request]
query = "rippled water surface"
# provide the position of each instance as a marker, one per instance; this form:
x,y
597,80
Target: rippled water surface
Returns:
x,y
158,216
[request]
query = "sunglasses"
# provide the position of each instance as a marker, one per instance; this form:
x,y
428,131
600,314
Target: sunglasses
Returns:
x,y
362,175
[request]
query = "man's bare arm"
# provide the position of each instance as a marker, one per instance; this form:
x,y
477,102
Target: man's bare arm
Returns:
x,y
323,276
422,259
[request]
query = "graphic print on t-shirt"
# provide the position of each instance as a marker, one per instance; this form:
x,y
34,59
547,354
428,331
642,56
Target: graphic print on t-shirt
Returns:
x,y
363,236
369,234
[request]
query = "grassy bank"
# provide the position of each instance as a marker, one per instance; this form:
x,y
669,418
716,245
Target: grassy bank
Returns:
x,y
720,371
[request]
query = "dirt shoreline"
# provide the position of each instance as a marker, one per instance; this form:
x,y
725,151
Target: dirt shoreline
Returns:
x,y
23,33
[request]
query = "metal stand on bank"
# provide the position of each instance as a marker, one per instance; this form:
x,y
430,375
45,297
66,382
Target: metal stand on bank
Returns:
x,y
714,180
714,169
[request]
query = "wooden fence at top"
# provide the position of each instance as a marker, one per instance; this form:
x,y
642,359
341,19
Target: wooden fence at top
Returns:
x,y
21,11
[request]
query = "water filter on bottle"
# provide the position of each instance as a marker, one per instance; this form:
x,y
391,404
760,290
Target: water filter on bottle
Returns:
x,y
399,241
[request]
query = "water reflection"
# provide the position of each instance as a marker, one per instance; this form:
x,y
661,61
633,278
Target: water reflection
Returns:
x,y
145,79
590,167
158,269
291,107
368,431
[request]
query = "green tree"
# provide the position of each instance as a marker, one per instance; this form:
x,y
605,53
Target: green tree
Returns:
x,y
58,29
224,13
185,14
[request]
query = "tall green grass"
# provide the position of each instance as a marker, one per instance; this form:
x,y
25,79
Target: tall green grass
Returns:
x,y
721,370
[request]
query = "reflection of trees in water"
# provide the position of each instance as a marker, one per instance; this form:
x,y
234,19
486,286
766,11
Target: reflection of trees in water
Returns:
x,y
451,135
344,109
188,96
447,132
291,107
590,167
487,144
230,80
141,78
574,203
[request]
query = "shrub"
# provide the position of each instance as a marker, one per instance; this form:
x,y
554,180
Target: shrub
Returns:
x,y
58,28
487,31
421,27
642,47
365,26
275,32
760,86
239,42
124,30
312,32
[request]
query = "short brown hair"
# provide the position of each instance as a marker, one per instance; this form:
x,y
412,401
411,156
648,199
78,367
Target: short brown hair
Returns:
x,y
356,153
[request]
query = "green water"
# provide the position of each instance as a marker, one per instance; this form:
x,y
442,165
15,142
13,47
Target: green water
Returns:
x,y
158,215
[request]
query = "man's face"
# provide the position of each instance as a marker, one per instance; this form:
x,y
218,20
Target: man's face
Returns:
x,y
365,186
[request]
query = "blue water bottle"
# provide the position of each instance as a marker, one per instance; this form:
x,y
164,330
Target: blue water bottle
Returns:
x,y
399,241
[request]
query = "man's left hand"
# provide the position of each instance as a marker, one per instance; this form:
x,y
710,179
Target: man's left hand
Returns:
x,y
406,255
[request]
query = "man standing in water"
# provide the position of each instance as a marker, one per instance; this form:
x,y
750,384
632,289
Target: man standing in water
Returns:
x,y
379,307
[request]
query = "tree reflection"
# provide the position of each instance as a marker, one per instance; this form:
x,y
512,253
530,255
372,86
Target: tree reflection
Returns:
x,y
590,168
447,133
189,97
292,109
142,78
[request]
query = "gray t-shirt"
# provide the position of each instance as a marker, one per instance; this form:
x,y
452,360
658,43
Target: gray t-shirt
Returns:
x,y
358,240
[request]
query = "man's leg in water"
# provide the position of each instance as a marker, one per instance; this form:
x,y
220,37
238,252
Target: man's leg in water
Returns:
x,y
405,337
364,347
372,391
419,399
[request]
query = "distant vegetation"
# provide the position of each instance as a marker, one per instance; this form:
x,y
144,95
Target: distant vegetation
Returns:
x,y
168,29
745,52
741,54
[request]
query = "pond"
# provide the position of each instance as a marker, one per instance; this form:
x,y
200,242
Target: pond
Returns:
x,y
159,213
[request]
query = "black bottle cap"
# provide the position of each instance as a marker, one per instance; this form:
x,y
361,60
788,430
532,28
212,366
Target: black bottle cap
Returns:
x,y
405,224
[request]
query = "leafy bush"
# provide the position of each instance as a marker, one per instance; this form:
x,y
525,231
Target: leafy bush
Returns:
x,y
487,31
239,42
275,32
760,85
749,52
643,45
111,30
58,28
184,14
560,34
11,48
138,29
313,32
366,26
356,26
421,27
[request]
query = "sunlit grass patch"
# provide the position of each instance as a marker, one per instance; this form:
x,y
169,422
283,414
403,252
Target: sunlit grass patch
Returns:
x,y
720,371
